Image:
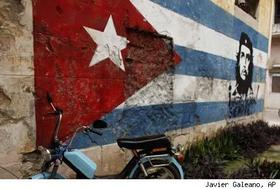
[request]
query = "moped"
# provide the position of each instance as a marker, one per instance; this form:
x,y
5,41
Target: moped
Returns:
x,y
153,156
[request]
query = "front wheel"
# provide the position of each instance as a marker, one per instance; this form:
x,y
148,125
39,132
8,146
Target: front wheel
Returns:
x,y
155,171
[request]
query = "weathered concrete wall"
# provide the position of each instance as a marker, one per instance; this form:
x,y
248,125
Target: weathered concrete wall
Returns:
x,y
146,67
264,17
17,116
273,99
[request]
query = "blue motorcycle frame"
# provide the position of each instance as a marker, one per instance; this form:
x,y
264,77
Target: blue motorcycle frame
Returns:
x,y
153,156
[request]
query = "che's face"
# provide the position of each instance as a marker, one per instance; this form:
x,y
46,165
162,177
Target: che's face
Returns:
x,y
244,61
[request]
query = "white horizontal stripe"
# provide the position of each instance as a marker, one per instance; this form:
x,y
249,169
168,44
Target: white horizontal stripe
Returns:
x,y
158,91
167,89
188,33
202,89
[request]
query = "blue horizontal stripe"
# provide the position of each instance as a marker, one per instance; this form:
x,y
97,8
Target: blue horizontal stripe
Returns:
x,y
157,119
197,63
209,14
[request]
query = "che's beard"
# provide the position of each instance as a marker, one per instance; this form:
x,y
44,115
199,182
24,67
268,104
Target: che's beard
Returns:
x,y
243,85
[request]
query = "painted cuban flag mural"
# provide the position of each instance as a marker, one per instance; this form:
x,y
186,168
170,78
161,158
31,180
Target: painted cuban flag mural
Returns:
x,y
146,67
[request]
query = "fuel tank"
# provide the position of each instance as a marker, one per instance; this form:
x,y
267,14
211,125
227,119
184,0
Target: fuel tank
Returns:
x,y
79,162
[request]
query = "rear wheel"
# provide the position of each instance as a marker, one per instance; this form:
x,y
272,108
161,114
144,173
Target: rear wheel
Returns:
x,y
155,171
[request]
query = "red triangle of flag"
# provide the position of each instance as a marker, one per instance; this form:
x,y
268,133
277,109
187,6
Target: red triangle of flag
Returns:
x,y
63,50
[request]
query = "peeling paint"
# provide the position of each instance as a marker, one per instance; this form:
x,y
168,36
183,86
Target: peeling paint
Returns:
x,y
204,87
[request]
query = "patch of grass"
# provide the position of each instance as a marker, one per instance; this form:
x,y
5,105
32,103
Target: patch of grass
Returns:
x,y
235,165
257,169
272,154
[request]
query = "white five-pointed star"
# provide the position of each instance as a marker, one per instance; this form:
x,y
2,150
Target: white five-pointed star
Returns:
x,y
109,44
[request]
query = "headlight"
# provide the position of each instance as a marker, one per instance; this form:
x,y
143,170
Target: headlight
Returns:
x,y
45,153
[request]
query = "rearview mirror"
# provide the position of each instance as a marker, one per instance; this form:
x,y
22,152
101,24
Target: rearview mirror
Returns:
x,y
99,124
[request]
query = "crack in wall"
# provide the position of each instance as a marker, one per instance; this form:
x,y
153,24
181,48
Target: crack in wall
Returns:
x,y
4,98
6,118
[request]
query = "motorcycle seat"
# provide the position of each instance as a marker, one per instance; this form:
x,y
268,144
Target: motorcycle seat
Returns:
x,y
145,142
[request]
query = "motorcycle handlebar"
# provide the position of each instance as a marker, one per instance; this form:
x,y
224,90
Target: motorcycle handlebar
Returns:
x,y
58,113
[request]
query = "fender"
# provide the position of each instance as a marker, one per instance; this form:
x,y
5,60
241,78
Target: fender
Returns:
x,y
166,157
46,175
